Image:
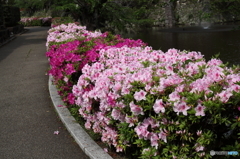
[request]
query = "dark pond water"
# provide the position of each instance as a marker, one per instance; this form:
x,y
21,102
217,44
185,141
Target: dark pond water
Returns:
x,y
216,39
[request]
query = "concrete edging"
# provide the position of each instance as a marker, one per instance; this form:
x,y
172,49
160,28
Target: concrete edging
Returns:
x,y
90,147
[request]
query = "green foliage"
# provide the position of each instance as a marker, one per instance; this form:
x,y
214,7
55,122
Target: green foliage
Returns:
x,y
96,14
226,8
62,20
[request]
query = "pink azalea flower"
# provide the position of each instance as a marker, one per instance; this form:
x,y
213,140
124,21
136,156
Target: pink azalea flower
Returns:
x,y
117,115
235,88
136,109
199,132
142,132
159,106
56,132
181,107
163,135
199,148
202,154
117,86
131,120
174,96
105,149
200,110
140,95
88,125
154,140
224,96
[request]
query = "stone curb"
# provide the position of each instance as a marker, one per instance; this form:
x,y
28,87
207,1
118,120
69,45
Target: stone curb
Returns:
x,y
90,147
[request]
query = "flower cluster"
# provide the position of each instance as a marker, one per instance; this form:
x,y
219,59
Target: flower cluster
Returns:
x,y
162,98
170,104
68,32
36,21
70,47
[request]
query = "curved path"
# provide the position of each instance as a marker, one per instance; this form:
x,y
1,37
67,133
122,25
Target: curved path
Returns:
x,y
27,116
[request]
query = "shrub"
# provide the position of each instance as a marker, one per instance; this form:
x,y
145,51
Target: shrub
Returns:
x,y
36,21
165,105
71,47
156,104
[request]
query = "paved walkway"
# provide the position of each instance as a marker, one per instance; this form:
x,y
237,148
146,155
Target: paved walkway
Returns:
x,y
27,117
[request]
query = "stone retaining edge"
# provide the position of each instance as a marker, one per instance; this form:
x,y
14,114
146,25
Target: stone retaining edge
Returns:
x,y
90,147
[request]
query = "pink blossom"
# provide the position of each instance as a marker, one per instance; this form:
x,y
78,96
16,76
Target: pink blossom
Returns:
x,y
136,109
56,132
111,100
88,125
214,62
117,86
140,95
154,140
117,115
105,149
174,96
163,135
181,107
119,149
199,148
142,132
131,120
159,106
65,79
235,87
200,110
202,154
224,96
199,132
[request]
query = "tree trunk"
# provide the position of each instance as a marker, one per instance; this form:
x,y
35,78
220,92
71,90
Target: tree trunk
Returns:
x,y
170,13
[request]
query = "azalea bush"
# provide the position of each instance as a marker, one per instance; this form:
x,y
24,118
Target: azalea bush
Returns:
x,y
70,47
165,105
147,102
36,21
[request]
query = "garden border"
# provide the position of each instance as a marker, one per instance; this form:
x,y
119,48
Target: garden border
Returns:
x,y
90,147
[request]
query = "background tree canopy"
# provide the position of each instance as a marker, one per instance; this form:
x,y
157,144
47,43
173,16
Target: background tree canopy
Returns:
x,y
122,14
96,14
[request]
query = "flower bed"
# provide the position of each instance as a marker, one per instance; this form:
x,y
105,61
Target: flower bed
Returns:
x,y
156,104
36,21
